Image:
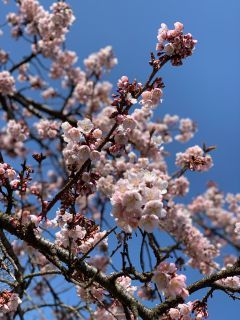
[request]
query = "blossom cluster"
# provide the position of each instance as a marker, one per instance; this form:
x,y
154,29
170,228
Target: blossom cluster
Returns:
x,y
47,129
92,293
126,95
9,302
95,292
198,247
230,282
149,136
194,159
187,128
26,217
17,130
184,311
96,62
137,200
50,27
77,233
152,97
94,96
63,63
237,228
8,176
82,142
12,146
7,83
115,310
174,43
222,211
170,283
6,171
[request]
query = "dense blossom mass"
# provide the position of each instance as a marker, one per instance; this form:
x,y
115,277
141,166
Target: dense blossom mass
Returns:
x,y
89,208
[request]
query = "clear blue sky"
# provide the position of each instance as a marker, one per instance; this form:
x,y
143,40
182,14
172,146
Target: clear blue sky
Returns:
x,y
205,88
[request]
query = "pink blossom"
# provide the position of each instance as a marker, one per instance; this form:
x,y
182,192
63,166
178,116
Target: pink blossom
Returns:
x,y
95,155
47,129
237,228
97,62
149,222
7,83
187,129
129,123
174,314
132,200
123,82
170,283
152,98
126,283
179,186
15,183
194,159
6,171
85,126
9,302
97,133
177,287
17,130
91,293
174,43
155,207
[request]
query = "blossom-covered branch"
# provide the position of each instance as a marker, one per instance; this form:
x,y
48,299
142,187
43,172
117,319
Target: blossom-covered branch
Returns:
x,y
86,193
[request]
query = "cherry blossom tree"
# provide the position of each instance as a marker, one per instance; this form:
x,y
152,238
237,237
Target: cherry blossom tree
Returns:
x,y
85,189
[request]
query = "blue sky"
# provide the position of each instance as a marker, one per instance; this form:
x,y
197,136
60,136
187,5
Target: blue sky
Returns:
x,y
205,88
